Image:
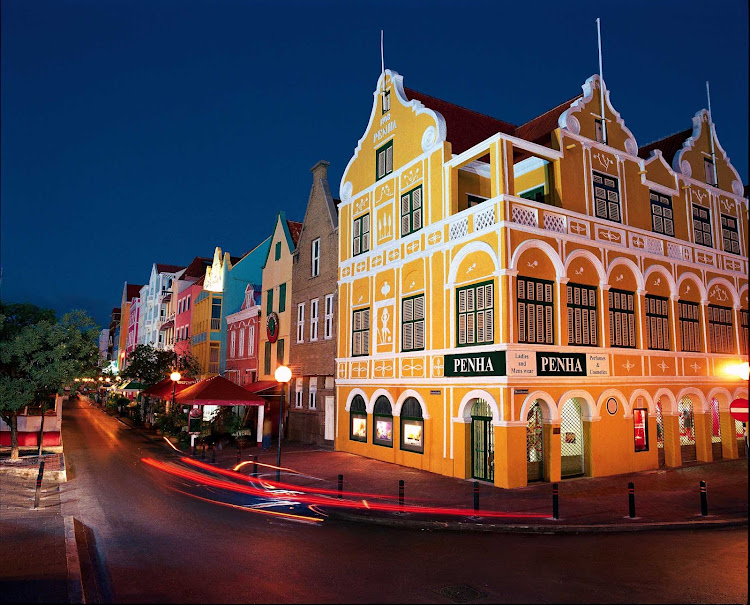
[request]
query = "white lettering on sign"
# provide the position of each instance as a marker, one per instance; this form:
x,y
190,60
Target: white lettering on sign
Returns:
x,y
473,364
555,364
597,365
390,126
520,363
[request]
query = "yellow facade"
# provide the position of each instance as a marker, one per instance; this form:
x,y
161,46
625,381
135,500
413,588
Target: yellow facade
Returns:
x,y
430,306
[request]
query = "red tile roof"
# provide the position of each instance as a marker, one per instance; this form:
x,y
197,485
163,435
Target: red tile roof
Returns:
x,y
161,268
197,267
539,129
669,146
295,229
133,291
464,127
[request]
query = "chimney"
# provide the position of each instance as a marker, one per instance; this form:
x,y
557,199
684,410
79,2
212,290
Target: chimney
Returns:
x,y
320,170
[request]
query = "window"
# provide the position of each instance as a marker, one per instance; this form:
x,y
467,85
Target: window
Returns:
x,y
708,166
215,313
640,429
599,131
328,329
384,160
361,332
361,234
412,323
702,226
744,314
314,319
476,323
621,319
242,341
267,359
657,323
213,358
382,418
535,310
298,394
386,101
280,352
730,234
690,325
188,302
720,333
412,426
232,346
582,315
474,200
662,220
277,252
358,419
312,394
315,258
606,197
301,322
282,298
411,211
269,301
536,194
251,340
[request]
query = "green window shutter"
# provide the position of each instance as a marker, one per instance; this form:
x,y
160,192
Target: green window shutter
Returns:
x,y
280,352
267,360
278,251
282,298
269,301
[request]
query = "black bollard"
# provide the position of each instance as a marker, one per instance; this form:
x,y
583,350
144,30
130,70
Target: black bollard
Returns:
x,y
704,499
239,454
555,503
631,499
39,484
341,485
401,493
476,495
255,466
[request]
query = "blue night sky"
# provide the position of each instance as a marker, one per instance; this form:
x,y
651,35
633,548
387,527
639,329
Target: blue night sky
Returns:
x,y
135,132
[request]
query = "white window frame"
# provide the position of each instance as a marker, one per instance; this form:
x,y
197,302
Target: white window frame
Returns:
x,y
301,322
312,394
242,343
298,393
233,344
314,314
251,341
315,258
328,326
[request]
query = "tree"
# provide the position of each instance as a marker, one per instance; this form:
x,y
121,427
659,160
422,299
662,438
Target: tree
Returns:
x,y
149,365
39,356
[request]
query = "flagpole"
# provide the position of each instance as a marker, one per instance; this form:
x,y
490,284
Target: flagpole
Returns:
x,y
601,79
382,60
711,135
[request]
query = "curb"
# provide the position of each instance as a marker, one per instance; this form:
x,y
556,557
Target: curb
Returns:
x,y
75,580
536,529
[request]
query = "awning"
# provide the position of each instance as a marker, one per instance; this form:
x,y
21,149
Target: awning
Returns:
x,y
264,387
167,325
132,385
217,390
163,388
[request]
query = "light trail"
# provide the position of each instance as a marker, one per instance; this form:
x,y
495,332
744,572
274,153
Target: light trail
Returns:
x,y
172,445
281,468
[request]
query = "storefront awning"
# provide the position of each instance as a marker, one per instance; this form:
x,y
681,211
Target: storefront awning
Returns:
x,y
163,388
264,387
217,390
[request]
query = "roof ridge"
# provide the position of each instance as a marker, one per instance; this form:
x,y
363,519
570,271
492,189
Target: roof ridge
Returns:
x,y
550,110
479,113
669,136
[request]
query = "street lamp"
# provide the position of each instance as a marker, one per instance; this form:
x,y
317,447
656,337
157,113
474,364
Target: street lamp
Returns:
x,y
283,375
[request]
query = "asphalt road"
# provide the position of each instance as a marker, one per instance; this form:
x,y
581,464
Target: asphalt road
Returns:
x,y
159,545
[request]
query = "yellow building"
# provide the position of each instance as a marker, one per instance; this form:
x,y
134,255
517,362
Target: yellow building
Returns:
x,y
541,301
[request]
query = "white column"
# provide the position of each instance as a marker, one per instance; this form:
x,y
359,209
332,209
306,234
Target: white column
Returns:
x,y
261,413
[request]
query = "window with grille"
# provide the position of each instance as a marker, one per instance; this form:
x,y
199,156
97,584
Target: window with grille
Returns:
x,y
606,197
386,101
328,326
475,317
690,324
315,271
535,311
662,220
582,315
702,226
314,319
412,323
301,322
720,333
621,319
358,419
744,314
730,234
361,240
657,322
411,211
361,332
384,160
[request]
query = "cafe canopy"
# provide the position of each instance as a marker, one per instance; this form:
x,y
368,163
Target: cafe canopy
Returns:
x,y
217,390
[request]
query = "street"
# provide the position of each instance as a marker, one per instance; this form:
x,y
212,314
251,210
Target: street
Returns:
x,y
158,545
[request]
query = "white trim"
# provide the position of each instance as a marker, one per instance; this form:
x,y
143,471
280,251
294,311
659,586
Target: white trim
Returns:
x,y
404,396
464,410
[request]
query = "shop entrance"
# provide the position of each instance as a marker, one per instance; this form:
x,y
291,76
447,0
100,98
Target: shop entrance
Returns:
x,y
571,440
534,444
660,433
687,429
482,442
715,430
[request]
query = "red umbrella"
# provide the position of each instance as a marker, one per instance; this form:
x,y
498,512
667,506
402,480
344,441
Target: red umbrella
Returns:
x,y
217,391
163,388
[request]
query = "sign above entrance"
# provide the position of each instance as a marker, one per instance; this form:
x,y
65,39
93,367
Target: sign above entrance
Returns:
x,y
527,364
476,364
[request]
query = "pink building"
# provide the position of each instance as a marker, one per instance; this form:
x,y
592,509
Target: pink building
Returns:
x,y
189,285
242,339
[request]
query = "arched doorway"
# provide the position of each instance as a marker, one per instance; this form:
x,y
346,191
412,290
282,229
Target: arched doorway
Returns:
x,y
687,429
534,444
660,433
715,430
482,441
572,446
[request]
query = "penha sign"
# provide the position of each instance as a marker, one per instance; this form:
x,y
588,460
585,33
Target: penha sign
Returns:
x,y
526,364
476,364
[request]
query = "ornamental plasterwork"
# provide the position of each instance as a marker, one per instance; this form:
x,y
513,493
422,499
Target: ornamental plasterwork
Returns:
x,y
533,265
611,236
471,268
718,294
362,204
394,254
385,289
410,177
385,224
383,369
603,160
700,194
359,369
727,205
578,271
342,370
361,266
413,247
437,367
384,334
578,228
376,261
657,281
696,366
383,193
702,257
663,365
620,277
628,366
346,271
414,367
434,237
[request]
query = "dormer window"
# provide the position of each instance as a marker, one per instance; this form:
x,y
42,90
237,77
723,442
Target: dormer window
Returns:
x,y
386,101
384,160
710,171
599,129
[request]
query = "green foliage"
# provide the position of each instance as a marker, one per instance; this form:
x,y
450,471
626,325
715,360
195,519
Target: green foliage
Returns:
x,y
149,365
